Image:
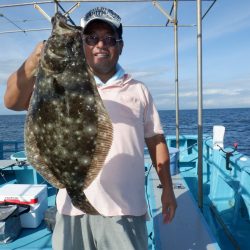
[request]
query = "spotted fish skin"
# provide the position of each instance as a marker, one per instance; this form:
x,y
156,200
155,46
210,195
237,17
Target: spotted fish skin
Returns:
x,y
68,132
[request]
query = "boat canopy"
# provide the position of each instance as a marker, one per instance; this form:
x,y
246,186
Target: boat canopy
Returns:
x,y
174,16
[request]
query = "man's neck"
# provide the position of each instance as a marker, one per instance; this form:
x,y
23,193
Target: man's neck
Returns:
x,y
105,77
108,78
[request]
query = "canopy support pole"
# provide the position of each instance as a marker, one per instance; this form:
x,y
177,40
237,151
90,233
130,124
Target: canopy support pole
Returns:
x,y
177,129
37,7
200,108
164,12
174,20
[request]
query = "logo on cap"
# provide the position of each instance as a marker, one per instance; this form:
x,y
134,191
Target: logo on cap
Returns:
x,y
101,13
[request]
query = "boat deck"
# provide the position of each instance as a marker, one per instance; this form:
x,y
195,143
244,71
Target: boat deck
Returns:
x,y
39,238
188,230
223,223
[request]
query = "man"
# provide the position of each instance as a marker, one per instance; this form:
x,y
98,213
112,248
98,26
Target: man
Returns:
x,y
117,193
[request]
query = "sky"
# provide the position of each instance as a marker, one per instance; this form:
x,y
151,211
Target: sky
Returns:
x,y
148,52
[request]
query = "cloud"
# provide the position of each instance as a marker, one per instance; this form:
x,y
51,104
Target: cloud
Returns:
x,y
149,74
212,98
143,74
224,92
226,103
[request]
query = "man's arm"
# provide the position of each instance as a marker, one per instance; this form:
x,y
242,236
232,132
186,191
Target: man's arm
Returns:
x,y
20,83
160,157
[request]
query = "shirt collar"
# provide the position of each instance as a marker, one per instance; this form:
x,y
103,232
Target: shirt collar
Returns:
x,y
118,75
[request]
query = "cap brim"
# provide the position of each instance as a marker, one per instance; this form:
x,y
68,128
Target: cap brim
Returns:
x,y
84,24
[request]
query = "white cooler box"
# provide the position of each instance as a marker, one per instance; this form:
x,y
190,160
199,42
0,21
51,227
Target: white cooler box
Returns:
x,y
34,195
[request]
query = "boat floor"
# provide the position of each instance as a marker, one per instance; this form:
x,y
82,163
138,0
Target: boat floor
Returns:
x,y
188,230
228,240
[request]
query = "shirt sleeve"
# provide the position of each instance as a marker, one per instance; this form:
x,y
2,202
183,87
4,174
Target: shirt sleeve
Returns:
x,y
151,118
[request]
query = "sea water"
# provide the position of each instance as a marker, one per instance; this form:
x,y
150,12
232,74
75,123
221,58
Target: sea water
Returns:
x,y
236,122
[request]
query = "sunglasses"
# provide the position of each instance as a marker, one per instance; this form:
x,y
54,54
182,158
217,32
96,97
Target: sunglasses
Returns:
x,y
108,41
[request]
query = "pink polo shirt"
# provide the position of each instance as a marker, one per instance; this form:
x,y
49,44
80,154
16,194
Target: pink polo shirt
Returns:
x,y
119,187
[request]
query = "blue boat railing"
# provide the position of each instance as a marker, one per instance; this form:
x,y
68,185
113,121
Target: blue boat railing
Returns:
x,y
229,192
228,188
9,147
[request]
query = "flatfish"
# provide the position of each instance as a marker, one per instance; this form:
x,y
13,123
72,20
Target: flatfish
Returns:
x,y
68,132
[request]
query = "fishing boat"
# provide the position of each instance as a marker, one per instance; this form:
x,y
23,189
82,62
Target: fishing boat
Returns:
x,y
211,183
222,222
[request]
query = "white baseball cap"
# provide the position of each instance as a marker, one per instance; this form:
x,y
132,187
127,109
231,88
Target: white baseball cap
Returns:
x,y
105,15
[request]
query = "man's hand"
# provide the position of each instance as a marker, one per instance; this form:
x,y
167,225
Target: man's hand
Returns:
x,y
158,151
169,205
33,60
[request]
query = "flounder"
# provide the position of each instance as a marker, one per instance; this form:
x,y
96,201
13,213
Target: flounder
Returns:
x,y
68,132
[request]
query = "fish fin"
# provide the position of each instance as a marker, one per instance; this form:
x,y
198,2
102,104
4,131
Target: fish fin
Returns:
x,y
34,155
104,140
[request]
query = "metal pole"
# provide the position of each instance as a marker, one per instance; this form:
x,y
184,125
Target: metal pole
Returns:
x,y
199,89
56,7
176,73
36,6
164,12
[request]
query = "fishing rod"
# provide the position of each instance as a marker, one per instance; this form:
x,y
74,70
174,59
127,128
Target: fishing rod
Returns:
x,y
17,163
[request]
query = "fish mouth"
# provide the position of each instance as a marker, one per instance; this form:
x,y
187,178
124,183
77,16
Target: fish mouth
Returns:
x,y
61,20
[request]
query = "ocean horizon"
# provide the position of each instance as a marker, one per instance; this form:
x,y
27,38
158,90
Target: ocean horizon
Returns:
x,y
235,120
11,112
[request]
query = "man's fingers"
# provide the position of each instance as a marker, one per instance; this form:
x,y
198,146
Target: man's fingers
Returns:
x,y
168,214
